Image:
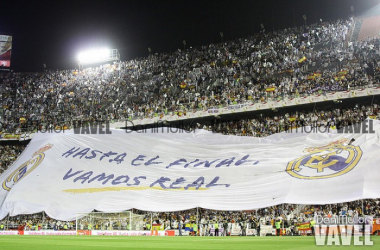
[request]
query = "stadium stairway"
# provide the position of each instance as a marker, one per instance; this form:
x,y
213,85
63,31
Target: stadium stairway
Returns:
x,y
356,29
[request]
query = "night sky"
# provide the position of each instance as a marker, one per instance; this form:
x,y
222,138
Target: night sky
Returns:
x,y
53,32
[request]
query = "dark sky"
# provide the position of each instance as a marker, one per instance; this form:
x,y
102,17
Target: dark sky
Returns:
x,y
53,32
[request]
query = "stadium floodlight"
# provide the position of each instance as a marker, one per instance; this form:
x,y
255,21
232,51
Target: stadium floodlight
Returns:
x,y
98,56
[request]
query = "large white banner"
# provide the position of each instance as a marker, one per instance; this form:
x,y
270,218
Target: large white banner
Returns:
x,y
67,173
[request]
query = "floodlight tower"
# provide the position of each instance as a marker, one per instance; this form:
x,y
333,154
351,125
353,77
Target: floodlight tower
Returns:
x,y
94,56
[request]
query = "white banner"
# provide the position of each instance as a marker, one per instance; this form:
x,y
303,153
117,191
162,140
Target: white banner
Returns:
x,y
344,94
264,230
262,105
50,232
67,173
276,104
317,98
250,107
330,96
359,92
125,233
302,100
191,114
289,102
9,232
373,91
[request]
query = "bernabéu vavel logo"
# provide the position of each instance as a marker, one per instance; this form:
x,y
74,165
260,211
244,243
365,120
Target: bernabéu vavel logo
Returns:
x,y
364,127
98,128
344,231
93,128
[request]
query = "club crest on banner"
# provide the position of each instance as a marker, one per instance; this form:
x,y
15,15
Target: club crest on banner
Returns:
x,y
332,160
26,168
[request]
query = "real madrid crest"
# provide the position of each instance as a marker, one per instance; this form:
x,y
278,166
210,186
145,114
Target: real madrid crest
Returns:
x,y
26,168
332,160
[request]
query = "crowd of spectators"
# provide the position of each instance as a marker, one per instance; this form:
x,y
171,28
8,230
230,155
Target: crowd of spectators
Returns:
x,y
266,66
35,222
8,154
291,216
326,120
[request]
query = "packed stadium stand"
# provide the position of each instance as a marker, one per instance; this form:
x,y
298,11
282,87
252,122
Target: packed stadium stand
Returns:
x,y
285,64
315,60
